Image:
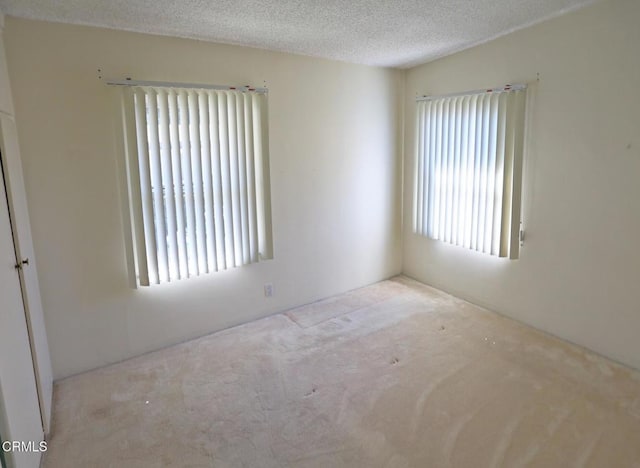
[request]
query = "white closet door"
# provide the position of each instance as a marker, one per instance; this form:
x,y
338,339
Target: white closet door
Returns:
x,y
18,393
24,247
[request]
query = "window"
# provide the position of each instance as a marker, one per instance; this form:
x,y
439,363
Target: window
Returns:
x,y
469,169
197,180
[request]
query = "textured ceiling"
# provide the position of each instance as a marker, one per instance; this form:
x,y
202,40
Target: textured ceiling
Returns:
x,y
388,33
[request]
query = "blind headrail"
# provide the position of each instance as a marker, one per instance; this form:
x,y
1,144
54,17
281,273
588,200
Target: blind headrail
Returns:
x,y
498,89
169,84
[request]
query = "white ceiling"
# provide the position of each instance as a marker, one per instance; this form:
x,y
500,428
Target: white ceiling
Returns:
x,y
387,33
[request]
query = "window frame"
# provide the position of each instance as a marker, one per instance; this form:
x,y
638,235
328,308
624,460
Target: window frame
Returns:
x,y
448,129
136,219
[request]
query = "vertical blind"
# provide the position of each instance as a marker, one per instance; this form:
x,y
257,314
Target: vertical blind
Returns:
x,y
469,170
198,180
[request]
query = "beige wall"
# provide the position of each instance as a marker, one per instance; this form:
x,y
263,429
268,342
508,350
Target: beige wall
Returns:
x,y
6,103
579,272
335,185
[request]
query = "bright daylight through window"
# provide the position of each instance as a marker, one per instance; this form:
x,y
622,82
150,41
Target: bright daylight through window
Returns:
x,y
197,180
469,169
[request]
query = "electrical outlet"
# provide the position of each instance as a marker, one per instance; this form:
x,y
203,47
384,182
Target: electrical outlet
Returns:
x,y
268,290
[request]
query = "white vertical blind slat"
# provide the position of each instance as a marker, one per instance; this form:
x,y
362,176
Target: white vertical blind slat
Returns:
x,y
167,185
432,186
181,237
455,211
196,179
133,154
216,178
159,215
419,168
263,181
477,168
145,186
242,179
437,172
207,182
491,172
232,109
225,169
442,211
471,145
508,176
496,240
451,129
251,178
444,169
425,193
185,158
462,180
518,148
176,188
484,163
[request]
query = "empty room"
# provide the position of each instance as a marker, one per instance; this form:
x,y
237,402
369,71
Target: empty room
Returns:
x,y
319,234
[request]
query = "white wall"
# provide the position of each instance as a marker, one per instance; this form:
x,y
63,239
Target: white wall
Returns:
x,y
334,170
579,272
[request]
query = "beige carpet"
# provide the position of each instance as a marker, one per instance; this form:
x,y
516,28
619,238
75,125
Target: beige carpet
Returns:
x,y
392,375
